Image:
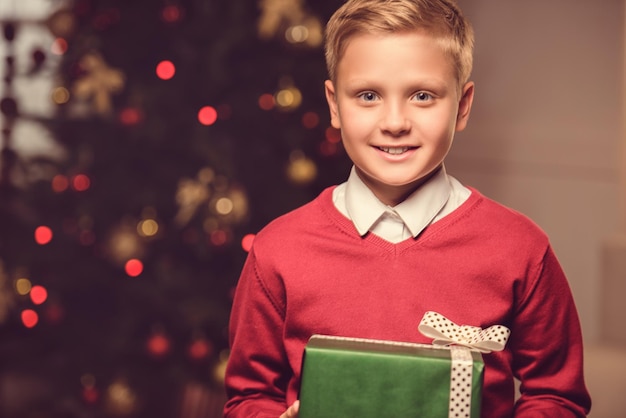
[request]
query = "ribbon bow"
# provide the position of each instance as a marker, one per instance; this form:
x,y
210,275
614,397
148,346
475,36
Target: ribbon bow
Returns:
x,y
445,332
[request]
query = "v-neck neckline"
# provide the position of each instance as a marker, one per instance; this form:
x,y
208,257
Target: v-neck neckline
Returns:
x,y
372,239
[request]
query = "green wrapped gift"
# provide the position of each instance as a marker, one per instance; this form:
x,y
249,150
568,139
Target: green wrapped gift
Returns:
x,y
348,377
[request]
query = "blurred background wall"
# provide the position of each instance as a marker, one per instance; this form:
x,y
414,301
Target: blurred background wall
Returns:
x,y
144,143
547,130
547,137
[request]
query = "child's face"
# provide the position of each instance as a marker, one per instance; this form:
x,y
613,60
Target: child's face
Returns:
x,y
398,104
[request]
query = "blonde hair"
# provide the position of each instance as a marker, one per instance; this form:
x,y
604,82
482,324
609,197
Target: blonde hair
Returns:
x,y
441,18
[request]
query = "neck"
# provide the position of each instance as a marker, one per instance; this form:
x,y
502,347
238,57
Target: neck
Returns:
x,y
392,195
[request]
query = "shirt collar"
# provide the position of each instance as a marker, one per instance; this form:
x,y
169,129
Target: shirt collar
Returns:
x,y
417,211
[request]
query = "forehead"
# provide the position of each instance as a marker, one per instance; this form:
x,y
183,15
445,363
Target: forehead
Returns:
x,y
385,55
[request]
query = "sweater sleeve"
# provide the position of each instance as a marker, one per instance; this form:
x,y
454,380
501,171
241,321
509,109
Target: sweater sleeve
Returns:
x,y
547,348
256,376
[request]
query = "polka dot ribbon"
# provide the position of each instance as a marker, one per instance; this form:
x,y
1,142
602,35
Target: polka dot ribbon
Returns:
x,y
460,403
460,339
445,332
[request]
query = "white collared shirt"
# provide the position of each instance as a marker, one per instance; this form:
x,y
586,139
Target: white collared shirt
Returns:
x,y
436,198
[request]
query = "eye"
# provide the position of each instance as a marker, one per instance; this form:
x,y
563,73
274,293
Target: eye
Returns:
x,y
368,96
422,96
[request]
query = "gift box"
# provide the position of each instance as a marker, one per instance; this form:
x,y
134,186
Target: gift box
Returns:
x,y
348,377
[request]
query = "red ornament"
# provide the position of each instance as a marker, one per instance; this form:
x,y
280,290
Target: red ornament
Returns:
x,y
207,115
165,70
158,345
81,182
29,318
90,395
53,313
60,183
43,235
266,101
310,120
171,13
200,348
328,149
38,295
219,237
246,242
333,135
133,267
130,116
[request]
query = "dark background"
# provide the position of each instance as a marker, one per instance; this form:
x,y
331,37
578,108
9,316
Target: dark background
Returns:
x,y
104,341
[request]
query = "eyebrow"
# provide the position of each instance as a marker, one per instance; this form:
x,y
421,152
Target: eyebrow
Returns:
x,y
414,85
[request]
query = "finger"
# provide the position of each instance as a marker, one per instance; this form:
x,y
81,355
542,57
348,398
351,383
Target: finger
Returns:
x,y
292,411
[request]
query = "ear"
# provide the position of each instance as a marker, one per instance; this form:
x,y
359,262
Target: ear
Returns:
x,y
465,106
331,98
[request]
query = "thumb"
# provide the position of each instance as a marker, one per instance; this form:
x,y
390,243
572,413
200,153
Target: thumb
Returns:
x,y
292,411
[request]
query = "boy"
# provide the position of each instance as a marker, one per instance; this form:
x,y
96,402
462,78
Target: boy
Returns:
x,y
369,257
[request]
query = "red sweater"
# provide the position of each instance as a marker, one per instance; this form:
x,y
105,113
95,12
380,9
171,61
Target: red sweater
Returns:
x,y
310,272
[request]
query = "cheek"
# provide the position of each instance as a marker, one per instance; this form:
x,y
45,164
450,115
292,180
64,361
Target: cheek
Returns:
x,y
439,126
357,123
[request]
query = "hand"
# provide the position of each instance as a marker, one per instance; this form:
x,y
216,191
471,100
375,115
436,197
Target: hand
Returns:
x,y
292,411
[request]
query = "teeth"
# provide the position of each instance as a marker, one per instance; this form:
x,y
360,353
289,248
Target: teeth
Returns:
x,y
394,150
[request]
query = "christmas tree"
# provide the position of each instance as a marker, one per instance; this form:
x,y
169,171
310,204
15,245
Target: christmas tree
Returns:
x,y
186,126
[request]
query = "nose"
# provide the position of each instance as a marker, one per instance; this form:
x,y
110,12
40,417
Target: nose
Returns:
x,y
395,120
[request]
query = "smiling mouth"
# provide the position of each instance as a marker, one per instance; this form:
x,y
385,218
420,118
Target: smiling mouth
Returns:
x,y
395,150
